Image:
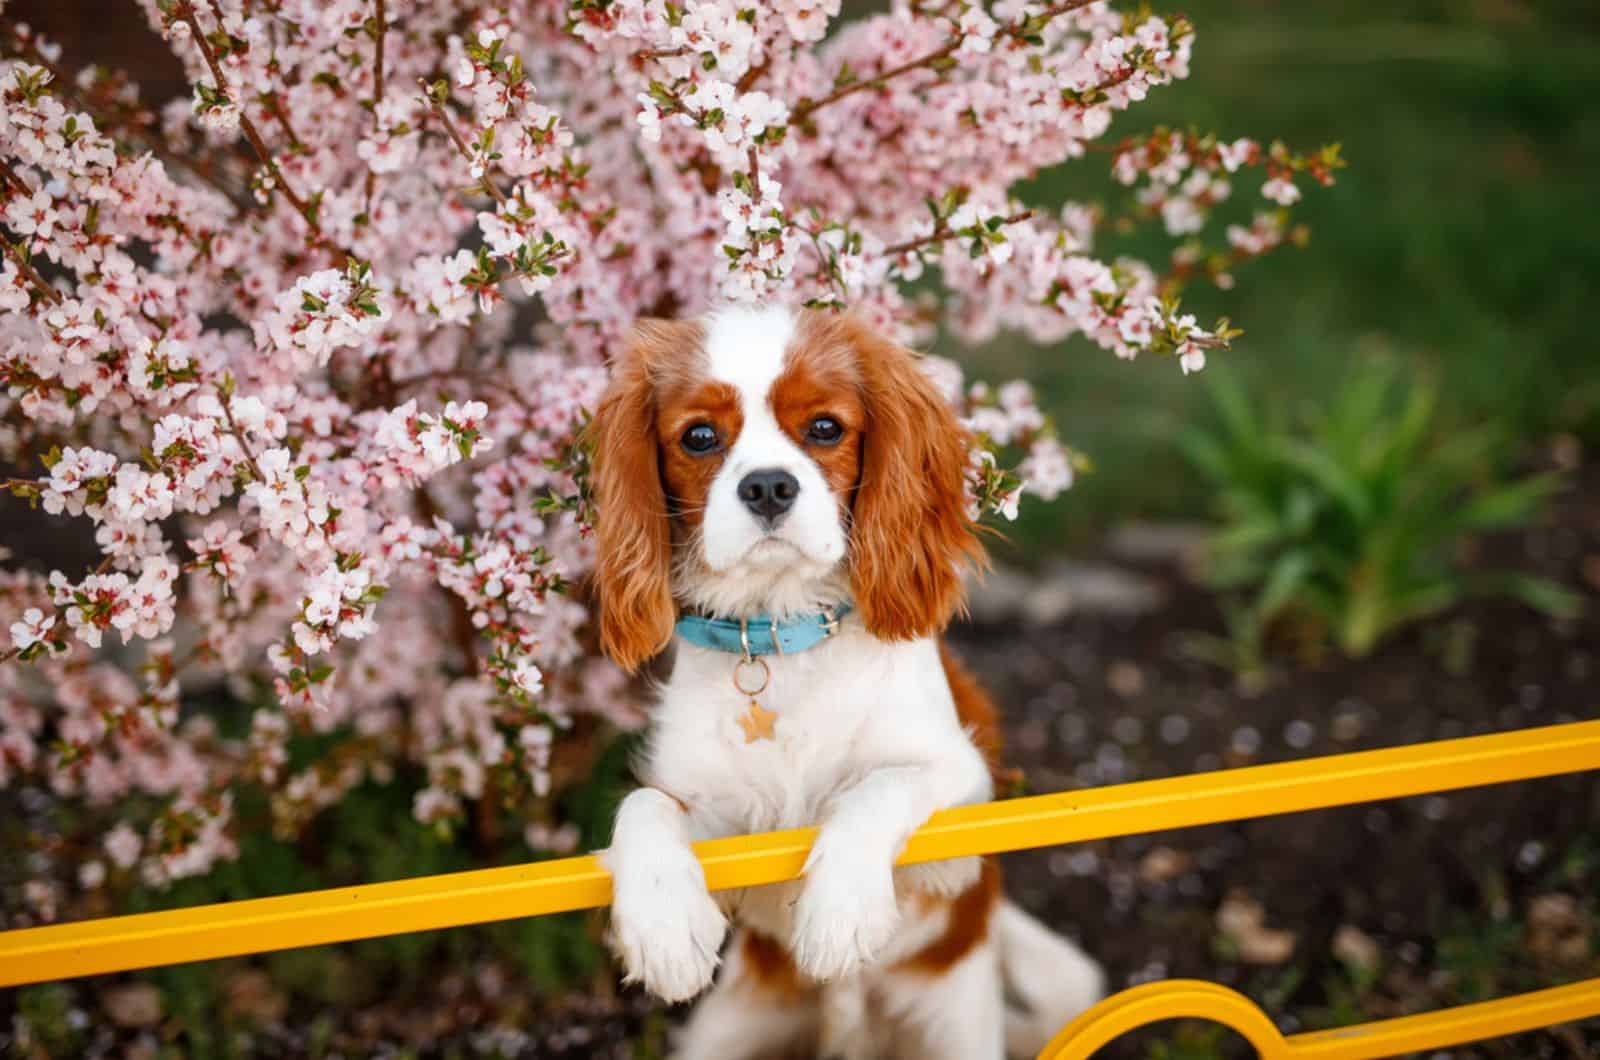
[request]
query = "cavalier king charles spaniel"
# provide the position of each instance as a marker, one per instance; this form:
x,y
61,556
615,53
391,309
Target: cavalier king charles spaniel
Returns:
x,y
780,498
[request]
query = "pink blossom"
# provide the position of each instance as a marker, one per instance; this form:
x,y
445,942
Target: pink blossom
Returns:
x,y
34,627
320,405
1281,190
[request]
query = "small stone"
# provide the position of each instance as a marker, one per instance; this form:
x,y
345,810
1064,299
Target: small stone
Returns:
x,y
1033,736
1179,543
1246,740
1355,947
998,595
133,1005
1299,734
1125,678
1558,929
252,995
1101,589
1243,921
1567,452
1163,864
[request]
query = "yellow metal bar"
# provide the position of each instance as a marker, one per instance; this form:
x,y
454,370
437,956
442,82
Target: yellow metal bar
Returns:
x,y
1452,1026
116,943
1191,999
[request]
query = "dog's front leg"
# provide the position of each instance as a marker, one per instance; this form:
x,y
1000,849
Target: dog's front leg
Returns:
x,y
665,927
846,912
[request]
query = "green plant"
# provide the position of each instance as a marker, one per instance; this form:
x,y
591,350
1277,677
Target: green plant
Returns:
x,y
1190,1040
1346,523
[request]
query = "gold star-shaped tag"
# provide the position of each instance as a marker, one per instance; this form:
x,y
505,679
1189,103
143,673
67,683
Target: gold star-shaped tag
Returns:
x,y
757,722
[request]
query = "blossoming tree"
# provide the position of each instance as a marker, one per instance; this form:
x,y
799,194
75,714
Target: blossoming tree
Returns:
x,y
310,349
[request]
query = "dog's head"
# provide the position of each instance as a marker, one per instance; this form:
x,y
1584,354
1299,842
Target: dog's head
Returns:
x,y
769,461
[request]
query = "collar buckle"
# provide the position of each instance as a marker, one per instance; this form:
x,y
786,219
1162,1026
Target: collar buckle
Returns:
x,y
830,622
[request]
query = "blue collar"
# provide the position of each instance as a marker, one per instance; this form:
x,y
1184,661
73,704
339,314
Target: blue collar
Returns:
x,y
760,635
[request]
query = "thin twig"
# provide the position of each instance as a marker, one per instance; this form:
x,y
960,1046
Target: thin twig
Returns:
x,y
63,86
755,176
15,178
14,252
807,107
941,233
280,114
377,98
462,631
186,14
238,435
461,145
26,268
751,76
457,375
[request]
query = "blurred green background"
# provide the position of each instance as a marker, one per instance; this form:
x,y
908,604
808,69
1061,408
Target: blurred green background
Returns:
x,y
1462,239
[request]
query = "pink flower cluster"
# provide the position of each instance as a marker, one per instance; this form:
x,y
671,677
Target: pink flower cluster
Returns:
x,y
310,348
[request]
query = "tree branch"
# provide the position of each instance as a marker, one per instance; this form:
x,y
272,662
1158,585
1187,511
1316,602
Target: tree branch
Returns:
x,y
806,107
942,233
63,86
461,145
25,267
186,13
377,98
15,253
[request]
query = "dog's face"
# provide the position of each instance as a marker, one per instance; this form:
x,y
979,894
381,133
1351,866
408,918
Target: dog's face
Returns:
x,y
769,461
760,454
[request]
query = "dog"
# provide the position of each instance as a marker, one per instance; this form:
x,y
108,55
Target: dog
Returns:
x,y
780,497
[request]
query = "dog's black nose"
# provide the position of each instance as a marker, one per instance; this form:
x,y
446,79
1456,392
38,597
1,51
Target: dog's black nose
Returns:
x,y
769,493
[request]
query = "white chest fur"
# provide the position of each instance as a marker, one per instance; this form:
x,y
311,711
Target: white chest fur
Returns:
x,y
844,708
866,732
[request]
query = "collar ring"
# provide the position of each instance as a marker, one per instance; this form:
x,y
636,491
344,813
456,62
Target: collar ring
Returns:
x,y
739,668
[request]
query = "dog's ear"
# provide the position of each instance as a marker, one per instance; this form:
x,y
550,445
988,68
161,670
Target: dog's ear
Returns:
x,y
911,537
633,571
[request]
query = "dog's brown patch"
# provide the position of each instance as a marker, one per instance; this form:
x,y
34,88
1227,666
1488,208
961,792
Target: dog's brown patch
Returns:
x,y
819,379
687,475
911,535
764,960
967,927
633,526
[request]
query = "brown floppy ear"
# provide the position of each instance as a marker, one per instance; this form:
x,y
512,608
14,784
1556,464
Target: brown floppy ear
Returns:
x,y
911,537
633,572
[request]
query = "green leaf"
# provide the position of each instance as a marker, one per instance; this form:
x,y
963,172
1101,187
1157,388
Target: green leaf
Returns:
x,y
1321,467
1510,505
1541,594
1283,584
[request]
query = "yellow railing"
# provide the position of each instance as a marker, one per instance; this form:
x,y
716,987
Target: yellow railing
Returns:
x,y
119,943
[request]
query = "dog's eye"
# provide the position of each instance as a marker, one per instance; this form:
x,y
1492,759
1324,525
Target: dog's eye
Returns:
x,y
825,430
701,438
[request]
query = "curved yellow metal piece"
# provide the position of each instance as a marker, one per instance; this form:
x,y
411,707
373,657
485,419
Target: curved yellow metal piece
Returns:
x,y
257,926
1170,999
1174,999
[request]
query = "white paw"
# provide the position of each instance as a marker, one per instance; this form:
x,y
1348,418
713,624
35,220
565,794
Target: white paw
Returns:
x,y
665,928
943,878
846,912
